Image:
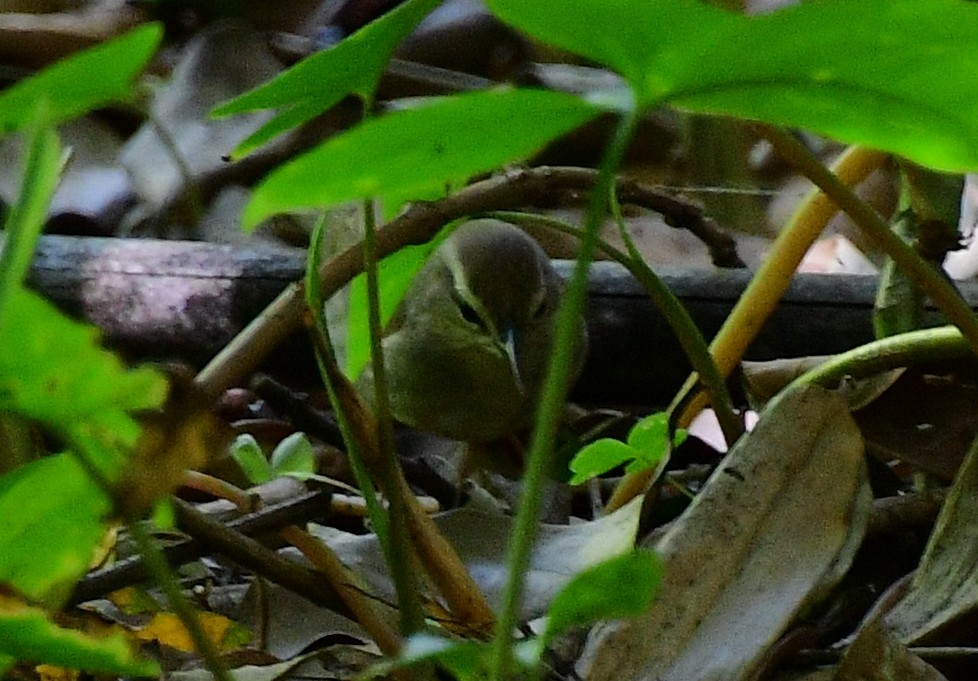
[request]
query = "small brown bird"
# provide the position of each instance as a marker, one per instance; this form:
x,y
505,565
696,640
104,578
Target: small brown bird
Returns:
x,y
467,349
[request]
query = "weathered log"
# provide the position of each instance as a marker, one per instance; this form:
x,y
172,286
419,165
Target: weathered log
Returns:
x,y
185,300
162,299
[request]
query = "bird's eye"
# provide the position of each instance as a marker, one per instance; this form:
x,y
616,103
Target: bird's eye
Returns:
x,y
470,314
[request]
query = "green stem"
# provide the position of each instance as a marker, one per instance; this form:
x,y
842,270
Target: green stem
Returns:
x,y
326,355
551,404
914,347
944,295
24,224
397,550
163,575
687,333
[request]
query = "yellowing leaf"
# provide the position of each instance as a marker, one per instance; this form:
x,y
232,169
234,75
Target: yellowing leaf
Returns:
x,y
166,628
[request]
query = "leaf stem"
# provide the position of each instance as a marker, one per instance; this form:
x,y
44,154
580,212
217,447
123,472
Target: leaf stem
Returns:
x,y
397,549
25,222
676,315
914,347
937,287
163,575
551,404
325,356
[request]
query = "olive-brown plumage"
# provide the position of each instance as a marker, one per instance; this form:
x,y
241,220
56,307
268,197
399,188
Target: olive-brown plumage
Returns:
x,y
467,349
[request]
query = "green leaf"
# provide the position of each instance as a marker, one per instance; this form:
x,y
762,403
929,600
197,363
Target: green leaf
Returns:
x,y
650,439
26,220
26,634
52,513
597,458
316,83
898,76
291,117
293,456
648,443
395,273
467,660
651,434
623,586
895,75
416,150
636,38
249,456
52,370
91,78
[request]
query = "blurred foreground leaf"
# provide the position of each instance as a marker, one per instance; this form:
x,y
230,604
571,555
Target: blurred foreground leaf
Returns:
x,y
897,75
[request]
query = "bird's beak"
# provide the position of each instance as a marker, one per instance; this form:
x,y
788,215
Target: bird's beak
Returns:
x,y
509,345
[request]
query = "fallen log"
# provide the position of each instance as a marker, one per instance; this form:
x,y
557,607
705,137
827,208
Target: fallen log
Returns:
x,y
185,300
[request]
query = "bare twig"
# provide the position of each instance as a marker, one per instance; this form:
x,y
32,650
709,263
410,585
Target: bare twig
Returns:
x,y
418,225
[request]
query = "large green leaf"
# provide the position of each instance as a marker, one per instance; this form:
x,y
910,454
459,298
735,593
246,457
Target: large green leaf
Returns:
x,y
637,38
416,150
27,634
47,539
318,82
52,370
94,77
25,222
899,75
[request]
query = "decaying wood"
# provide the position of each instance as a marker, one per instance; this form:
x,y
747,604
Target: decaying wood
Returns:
x,y
185,300
162,299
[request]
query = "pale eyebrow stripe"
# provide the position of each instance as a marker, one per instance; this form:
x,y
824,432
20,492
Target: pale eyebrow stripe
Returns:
x,y
450,254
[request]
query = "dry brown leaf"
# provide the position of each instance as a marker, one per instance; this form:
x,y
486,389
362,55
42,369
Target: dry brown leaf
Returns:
x,y
774,527
876,655
945,584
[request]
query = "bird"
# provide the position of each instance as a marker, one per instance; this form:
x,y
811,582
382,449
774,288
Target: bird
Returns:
x,y
467,349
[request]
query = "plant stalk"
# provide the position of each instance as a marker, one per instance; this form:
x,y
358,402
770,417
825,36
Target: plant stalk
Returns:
x,y
551,404
397,550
